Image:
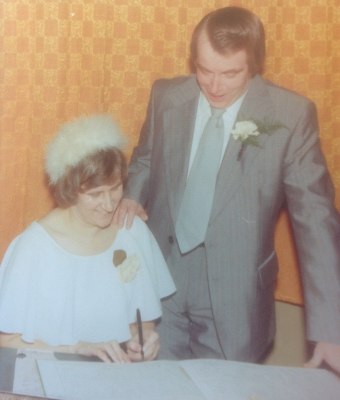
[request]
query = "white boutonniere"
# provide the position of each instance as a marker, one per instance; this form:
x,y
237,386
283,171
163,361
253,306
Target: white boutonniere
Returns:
x,y
247,131
127,267
244,130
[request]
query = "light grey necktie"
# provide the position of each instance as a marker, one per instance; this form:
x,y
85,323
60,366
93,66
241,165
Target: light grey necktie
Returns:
x,y
194,212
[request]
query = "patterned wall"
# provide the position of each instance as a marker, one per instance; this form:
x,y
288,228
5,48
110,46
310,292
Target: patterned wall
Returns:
x,y
61,59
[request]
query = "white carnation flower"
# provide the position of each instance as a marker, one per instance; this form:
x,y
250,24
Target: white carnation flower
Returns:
x,y
244,129
129,268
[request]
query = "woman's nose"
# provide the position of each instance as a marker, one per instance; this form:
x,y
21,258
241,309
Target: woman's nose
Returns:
x,y
107,202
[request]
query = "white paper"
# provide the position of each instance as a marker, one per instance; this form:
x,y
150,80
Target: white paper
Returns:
x,y
26,376
230,380
185,380
157,380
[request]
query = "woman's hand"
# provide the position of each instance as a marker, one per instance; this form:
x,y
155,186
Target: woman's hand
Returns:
x,y
106,351
150,348
151,343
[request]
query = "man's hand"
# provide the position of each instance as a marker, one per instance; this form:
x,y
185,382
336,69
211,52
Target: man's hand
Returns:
x,y
328,352
150,348
130,208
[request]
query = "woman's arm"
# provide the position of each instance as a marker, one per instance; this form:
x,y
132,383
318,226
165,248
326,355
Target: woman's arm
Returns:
x,y
106,351
151,343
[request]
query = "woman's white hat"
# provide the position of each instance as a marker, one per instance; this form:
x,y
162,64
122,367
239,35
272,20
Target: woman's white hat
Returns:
x,y
78,139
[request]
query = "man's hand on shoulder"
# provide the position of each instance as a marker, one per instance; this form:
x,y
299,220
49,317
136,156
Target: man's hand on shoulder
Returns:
x,y
131,208
327,352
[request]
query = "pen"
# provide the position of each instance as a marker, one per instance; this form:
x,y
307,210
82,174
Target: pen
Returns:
x,y
140,332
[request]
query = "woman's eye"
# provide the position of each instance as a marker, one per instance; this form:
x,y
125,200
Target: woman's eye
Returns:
x,y
94,195
115,188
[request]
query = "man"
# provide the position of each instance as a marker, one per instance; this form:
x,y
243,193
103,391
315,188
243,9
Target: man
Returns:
x,y
224,305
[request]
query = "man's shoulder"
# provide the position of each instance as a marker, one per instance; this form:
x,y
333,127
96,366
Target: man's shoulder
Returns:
x,y
174,91
180,87
172,83
281,93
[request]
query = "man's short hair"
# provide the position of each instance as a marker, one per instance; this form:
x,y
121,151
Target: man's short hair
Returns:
x,y
231,29
103,167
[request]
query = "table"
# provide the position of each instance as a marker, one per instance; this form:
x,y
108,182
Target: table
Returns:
x,y
65,377
8,359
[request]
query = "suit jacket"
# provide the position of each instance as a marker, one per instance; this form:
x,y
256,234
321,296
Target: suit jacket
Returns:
x,y
288,167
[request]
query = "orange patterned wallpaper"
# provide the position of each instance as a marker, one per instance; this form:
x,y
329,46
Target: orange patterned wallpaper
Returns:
x,y
60,59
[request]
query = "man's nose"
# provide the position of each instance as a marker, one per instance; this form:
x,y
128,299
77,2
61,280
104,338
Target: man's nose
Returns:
x,y
214,84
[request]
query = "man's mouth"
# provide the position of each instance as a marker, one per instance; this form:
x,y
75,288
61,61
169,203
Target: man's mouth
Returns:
x,y
216,97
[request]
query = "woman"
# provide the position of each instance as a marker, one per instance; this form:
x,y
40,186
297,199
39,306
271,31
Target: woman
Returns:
x,y
72,281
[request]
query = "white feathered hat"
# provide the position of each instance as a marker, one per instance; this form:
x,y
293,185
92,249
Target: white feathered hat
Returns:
x,y
78,139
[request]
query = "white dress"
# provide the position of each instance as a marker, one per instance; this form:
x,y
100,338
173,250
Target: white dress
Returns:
x,y
60,298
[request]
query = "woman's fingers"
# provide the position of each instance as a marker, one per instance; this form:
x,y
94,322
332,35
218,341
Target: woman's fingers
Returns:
x,y
150,347
107,351
151,351
117,354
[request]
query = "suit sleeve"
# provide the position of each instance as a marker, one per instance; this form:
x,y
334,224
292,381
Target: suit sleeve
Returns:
x,y
316,224
137,186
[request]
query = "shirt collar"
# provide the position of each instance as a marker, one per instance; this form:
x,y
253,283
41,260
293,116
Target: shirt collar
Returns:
x,y
204,106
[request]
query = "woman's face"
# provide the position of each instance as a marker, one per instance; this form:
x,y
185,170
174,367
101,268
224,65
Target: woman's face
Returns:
x,y
96,206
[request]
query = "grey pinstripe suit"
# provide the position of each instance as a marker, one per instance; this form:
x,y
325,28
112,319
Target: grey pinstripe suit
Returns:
x,y
241,261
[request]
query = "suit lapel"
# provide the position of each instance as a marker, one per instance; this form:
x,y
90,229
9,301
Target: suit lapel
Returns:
x,y
178,125
256,104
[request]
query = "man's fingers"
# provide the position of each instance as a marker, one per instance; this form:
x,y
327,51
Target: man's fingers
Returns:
x,y
129,208
130,217
142,214
120,214
316,359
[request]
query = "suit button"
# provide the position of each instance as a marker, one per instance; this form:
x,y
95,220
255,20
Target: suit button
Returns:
x,y
171,239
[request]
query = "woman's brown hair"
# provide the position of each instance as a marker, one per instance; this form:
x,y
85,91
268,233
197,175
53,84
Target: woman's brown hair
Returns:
x,y
103,167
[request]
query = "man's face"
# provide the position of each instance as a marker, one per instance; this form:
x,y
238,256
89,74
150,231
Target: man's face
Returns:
x,y
222,78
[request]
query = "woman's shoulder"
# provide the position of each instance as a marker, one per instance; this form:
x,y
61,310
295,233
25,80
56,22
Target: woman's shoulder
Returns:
x,y
29,235
139,230
26,247
35,239
52,221
138,225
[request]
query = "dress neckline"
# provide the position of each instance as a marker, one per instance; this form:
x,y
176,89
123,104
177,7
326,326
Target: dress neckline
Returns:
x,y
56,244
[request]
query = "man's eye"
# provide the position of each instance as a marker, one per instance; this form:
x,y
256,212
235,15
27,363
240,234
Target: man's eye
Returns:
x,y
203,71
231,74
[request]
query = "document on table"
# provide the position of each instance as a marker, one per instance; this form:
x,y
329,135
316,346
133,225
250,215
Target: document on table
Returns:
x,y
156,380
224,380
189,380
26,378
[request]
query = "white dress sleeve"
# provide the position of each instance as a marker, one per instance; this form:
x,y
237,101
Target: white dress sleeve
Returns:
x,y
153,282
